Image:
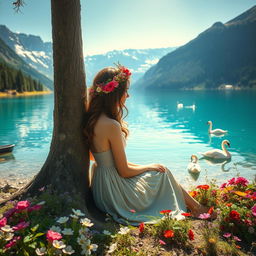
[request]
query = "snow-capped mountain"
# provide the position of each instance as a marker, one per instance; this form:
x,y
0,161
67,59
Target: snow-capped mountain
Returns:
x,y
38,54
31,49
137,60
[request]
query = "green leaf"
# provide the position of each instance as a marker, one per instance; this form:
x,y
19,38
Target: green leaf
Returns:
x,y
35,228
25,253
27,238
38,235
33,245
176,227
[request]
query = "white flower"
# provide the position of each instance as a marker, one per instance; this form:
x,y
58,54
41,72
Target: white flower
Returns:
x,y
83,230
41,251
78,213
68,250
86,222
106,232
251,230
98,89
67,231
9,236
81,240
112,248
58,244
73,216
7,228
124,231
62,220
55,229
88,248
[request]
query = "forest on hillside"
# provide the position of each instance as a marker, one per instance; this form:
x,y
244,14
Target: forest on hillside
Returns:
x,y
12,79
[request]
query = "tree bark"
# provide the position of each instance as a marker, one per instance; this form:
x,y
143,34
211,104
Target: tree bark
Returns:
x,y
66,167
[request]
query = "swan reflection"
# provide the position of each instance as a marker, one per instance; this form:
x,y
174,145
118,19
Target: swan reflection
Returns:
x,y
219,162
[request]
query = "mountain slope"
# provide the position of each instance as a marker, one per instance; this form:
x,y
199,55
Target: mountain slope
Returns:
x,y
38,54
31,49
223,54
9,57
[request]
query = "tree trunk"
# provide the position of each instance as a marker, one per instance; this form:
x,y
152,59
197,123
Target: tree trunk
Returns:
x,y
66,167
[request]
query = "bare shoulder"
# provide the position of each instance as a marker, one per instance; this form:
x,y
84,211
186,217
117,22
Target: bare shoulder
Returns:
x,y
106,123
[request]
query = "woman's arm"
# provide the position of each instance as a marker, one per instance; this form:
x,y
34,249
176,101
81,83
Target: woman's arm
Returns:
x,y
125,169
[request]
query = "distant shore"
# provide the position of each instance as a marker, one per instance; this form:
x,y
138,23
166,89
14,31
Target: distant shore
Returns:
x,y
23,94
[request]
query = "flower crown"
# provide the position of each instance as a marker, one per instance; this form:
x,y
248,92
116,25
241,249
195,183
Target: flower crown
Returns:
x,y
110,85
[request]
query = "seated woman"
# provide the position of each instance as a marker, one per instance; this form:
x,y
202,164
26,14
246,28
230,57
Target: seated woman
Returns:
x,y
117,185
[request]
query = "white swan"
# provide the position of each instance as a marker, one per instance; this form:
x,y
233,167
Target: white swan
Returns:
x,y
215,131
193,107
179,105
218,154
193,166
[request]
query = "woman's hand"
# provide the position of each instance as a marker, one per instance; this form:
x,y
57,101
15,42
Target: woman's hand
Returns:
x,y
157,167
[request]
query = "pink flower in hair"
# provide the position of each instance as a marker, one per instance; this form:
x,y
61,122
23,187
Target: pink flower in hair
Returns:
x,y
109,87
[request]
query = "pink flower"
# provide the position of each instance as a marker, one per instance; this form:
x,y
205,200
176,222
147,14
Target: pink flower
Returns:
x,y
162,242
223,185
109,87
22,205
21,225
132,210
227,235
254,210
232,181
12,242
3,222
242,181
43,188
204,216
36,207
236,238
51,235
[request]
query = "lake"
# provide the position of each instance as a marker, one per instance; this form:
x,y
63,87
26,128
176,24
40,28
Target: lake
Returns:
x,y
159,132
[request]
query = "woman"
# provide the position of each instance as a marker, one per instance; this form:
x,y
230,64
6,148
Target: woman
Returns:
x,y
130,193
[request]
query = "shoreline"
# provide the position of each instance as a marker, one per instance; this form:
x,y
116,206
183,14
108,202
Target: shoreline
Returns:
x,y
24,94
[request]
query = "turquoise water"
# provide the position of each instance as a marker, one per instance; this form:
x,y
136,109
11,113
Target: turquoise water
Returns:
x,y
159,132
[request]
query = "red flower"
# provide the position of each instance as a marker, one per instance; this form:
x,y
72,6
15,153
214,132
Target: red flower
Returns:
x,y
204,187
210,211
234,215
141,227
126,71
51,235
229,204
3,222
168,233
191,235
109,87
22,205
165,211
12,242
187,214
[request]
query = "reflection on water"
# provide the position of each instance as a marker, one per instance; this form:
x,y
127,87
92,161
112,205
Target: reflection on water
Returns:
x,y
159,131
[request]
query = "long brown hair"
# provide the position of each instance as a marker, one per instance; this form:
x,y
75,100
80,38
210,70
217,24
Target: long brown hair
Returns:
x,y
108,103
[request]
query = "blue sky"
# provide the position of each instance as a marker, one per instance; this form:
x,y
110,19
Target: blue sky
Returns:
x,y
115,24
